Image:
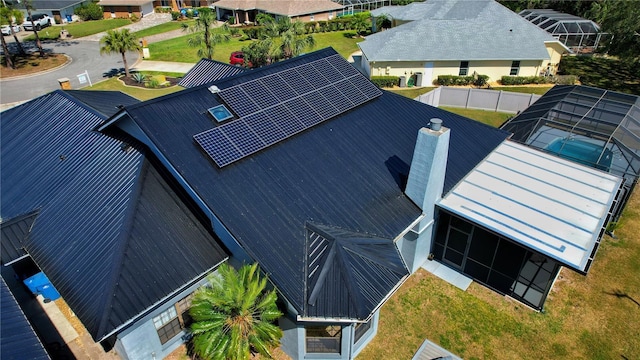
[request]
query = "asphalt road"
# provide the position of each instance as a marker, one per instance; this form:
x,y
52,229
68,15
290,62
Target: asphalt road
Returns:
x,y
85,56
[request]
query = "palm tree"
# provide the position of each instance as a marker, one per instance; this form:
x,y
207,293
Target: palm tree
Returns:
x,y
7,15
360,23
119,41
206,38
287,38
233,316
29,7
7,56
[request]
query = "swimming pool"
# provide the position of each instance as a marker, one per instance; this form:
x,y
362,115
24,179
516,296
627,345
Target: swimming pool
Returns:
x,y
581,151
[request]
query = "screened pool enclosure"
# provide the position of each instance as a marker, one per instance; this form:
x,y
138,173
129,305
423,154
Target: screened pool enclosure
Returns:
x,y
591,126
578,34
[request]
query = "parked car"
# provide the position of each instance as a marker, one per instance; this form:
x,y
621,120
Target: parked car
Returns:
x,y
236,58
39,21
6,30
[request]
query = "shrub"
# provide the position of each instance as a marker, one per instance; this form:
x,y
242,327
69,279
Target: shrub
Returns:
x,y
163,9
453,80
565,79
91,11
252,32
152,83
481,80
175,15
138,77
134,18
385,81
524,80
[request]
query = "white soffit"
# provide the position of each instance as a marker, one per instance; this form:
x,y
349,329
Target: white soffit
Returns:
x,y
548,204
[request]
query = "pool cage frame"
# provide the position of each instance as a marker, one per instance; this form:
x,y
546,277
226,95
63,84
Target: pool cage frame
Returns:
x,y
604,121
578,34
357,6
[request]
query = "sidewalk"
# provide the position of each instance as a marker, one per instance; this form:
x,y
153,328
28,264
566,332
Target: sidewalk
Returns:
x,y
167,66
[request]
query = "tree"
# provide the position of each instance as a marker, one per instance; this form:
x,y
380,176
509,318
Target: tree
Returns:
x,y
29,7
360,23
206,38
7,16
7,56
119,41
288,39
233,316
621,19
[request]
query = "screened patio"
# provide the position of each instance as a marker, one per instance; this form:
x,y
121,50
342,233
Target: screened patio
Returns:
x,y
591,126
356,6
578,34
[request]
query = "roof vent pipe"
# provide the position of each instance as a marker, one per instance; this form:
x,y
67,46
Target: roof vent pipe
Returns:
x,y
436,124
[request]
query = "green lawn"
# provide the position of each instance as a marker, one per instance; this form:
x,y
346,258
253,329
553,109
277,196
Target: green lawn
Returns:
x,y
162,28
605,73
538,90
176,49
492,118
80,29
411,93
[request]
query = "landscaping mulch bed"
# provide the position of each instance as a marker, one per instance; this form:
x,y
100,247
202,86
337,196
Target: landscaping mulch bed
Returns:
x,y
130,82
31,63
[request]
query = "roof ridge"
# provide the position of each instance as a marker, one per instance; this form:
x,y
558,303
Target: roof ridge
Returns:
x,y
123,241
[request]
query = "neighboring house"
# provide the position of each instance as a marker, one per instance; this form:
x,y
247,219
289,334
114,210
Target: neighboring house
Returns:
x,y
458,37
245,11
340,191
126,8
578,34
60,10
123,246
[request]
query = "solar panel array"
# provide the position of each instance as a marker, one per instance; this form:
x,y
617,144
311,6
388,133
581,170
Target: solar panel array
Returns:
x,y
277,106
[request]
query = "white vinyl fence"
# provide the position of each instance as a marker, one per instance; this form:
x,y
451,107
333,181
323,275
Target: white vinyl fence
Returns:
x,y
483,99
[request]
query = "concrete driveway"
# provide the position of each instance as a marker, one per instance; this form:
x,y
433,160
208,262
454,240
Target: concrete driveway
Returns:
x,y
84,56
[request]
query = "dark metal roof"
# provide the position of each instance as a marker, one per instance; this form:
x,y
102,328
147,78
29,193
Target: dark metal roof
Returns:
x,y
348,274
111,235
50,4
15,233
17,338
206,71
106,103
347,172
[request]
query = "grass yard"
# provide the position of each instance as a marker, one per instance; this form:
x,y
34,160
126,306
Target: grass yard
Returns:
x,y
586,317
538,90
176,49
162,28
79,29
606,73
411,93
492,118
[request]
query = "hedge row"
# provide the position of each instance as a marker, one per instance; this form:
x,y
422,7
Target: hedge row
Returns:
x,y
452,80
385,81
524,80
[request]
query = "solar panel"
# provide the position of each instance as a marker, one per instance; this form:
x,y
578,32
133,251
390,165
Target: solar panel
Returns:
x,y
239,101
277,106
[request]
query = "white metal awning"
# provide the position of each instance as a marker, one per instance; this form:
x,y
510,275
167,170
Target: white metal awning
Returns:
x,y
548,204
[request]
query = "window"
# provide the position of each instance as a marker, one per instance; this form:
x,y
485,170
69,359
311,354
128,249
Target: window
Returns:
x,y
170,322
220,112
361,329
324,339
464,68
515,68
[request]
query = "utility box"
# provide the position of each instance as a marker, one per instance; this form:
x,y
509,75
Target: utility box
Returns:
x,y
403,81
418,79
39,284
65,84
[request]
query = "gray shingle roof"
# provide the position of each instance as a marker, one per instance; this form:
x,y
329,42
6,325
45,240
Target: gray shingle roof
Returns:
x,y
459,30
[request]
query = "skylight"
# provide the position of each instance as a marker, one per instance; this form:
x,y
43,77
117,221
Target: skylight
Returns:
x,y
220,113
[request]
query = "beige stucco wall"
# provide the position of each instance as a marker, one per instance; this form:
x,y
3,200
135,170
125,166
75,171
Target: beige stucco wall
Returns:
x,y
323,16
494,68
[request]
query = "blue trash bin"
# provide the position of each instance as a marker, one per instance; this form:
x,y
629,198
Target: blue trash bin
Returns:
x,y
69,18
40,284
